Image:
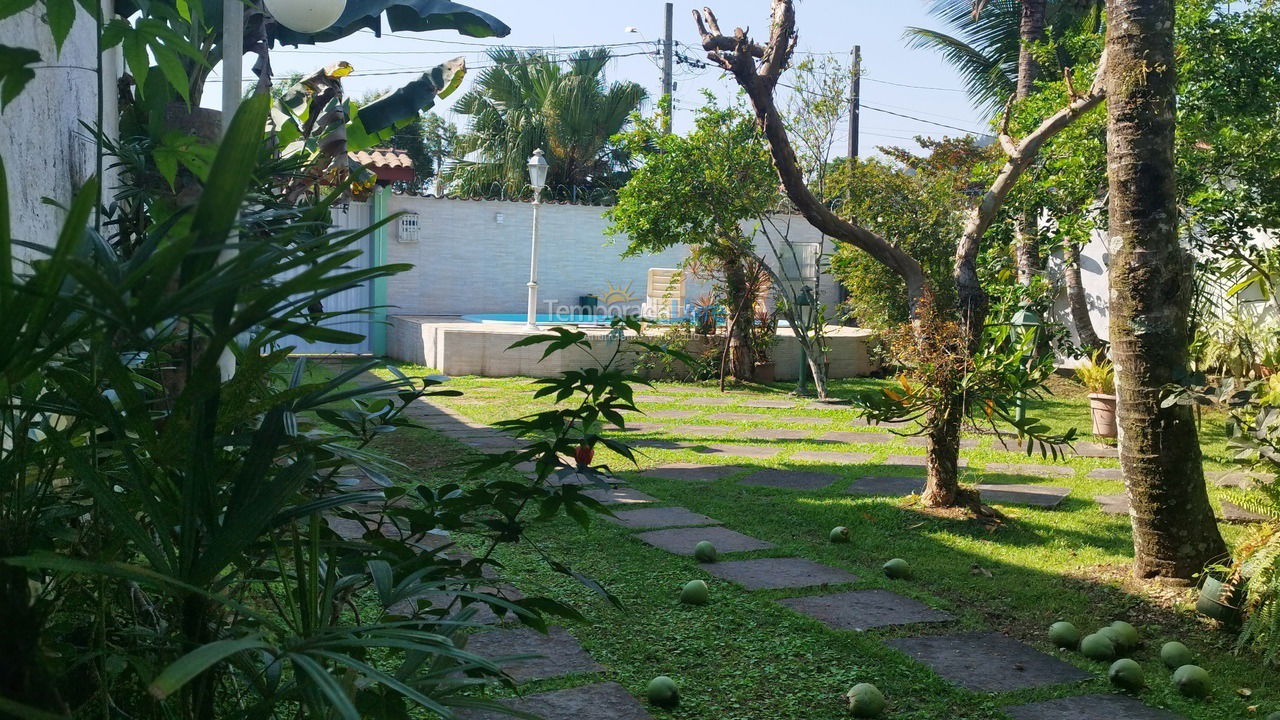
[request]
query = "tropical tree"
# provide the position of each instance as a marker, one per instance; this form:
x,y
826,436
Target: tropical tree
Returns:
x,y
532,100
1174,531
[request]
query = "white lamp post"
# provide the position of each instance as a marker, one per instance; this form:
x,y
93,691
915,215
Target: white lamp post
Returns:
x,y
538,168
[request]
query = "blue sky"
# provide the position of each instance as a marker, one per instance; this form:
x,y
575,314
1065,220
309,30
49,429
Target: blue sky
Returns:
x,y
825,26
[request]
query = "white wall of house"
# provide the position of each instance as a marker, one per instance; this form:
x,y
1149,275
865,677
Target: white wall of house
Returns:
x,y
46,150
472,256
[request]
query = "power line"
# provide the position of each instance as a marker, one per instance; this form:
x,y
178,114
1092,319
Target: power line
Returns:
x,y
419,71
922,120
907,85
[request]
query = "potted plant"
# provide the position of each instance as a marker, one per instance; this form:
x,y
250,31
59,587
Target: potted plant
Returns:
x,y
763,333
1097,374
1221,595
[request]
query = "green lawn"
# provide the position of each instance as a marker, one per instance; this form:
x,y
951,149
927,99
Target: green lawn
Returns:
x,y
743,656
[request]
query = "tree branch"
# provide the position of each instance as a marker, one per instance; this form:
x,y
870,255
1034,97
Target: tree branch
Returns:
x,y
738,55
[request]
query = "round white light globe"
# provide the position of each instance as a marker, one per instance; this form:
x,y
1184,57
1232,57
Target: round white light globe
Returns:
x,y
306,16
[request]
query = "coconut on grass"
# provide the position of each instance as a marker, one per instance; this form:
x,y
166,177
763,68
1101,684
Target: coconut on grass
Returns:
x,y
662,691
695,592
1192,681
705,552
865,700
1064,635
1123,635
1127,674
1098,647
897,569
839,534
1174,655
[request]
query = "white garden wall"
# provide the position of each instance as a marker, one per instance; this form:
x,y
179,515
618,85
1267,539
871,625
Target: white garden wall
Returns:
x,y
472,256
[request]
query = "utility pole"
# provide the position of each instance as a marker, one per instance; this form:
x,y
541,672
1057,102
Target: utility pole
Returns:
x,y
667,59
855,102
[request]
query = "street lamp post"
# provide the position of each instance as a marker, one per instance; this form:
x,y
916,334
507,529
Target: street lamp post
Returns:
x,y
804,315
1026,323
538,168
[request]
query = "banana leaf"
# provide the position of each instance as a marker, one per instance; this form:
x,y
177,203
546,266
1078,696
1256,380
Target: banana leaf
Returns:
x,y
379,120
402,16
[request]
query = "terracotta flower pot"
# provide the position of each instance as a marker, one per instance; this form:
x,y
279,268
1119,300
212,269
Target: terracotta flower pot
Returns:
x,y
1103,409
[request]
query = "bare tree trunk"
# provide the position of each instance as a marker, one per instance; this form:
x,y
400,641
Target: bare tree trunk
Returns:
x,y
1174,531
942,485
1076,300
741,304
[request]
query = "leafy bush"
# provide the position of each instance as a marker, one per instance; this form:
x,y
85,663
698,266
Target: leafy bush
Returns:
x,y
1097,374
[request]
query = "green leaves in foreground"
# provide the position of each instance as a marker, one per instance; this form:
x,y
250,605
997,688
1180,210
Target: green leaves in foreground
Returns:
x,y
14,71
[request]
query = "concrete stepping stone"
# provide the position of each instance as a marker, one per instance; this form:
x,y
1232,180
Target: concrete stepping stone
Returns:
x,y
1233,513
1114,504
692,472
777,434
803,420
680,541
560,478
619,496
558,653
640,427
893,486
677,389
742,451
1235,478
1090,707
789,479
855,438
1030,469
672,414
833,458
922,441
1037,495
1106,474
865,609
661,444
702,430
652,399
709,401
648,518
1096,450
775,573
770,404
989,662
916,461
604,701
739,417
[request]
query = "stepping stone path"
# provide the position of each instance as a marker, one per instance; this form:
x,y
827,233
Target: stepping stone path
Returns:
x,y
1240,479
790,479
1096,450
646,518
989,662
672,414
802,420
770,404
693,472
1106,474
742,451
708,401
1233,513
680,541
1090,707
1114,504
702,430
1038,495
895,486
661,444
833,458
916,461
558,653
855,438
605,701
619,496
738,417
865,609
776,434
775,573
641,427
1030,469
653,399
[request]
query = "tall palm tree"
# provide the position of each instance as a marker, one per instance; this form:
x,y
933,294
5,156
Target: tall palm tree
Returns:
x,y
531,100
989,40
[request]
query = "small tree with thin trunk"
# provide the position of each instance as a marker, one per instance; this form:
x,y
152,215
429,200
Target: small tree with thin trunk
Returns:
x,y
1174,531
758,68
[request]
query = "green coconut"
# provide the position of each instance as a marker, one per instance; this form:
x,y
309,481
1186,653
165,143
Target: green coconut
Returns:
x,y
662,691
865,700
897,569
1192,681
1124,635
839,534
1064,635
695,592
1127,674
705,552
1175,655
1098,647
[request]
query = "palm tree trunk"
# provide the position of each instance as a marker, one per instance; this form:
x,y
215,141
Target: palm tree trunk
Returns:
x,y
1077,302
1174,532
1030,31
741,307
